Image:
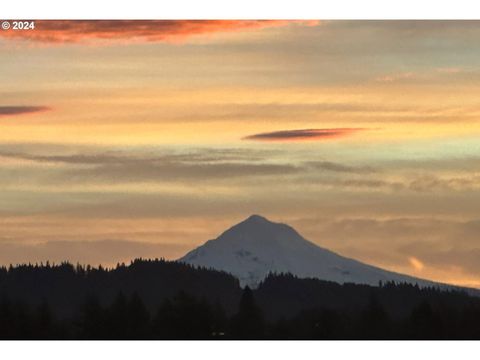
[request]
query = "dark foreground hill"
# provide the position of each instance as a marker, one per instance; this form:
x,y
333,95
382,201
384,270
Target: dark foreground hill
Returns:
x,y
157,299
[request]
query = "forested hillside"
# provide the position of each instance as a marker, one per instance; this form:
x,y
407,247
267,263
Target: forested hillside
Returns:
x,y
158,299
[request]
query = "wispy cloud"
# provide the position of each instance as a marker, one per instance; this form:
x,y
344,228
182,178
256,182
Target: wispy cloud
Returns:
x,y
81,31
303,134
396,77
341,168
20,110
439,74
450,70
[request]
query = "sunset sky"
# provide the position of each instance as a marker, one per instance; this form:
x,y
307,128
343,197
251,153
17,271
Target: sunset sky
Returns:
x,y
121,139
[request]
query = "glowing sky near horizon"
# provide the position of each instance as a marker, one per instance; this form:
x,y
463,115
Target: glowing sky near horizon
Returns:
x,y
125,139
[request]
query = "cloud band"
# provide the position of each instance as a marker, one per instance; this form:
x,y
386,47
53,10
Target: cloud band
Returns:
x,y
302,134
81,31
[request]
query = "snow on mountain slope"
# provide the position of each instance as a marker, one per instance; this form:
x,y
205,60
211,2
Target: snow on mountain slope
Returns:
x,y
255,247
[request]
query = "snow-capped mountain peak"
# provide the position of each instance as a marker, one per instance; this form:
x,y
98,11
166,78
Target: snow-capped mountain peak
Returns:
x,y
255,247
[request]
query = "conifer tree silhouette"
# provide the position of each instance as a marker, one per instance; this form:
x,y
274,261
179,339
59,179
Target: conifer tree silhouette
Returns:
x,y
184,317
424,323
137,318
374,322
92,324
248,323
45,326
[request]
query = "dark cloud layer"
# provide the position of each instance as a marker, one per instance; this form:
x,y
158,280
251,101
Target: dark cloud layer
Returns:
x,y
202,165
108,167
96,156
20,110
303,134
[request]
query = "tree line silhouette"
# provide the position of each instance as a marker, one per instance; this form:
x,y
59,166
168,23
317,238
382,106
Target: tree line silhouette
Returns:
x,y
158,299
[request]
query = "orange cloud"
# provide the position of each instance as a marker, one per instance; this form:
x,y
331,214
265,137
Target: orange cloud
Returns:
x,y
303,134
82,31
416,263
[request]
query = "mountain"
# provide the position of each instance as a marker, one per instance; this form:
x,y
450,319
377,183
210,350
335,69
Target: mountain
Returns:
x,y
256,247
